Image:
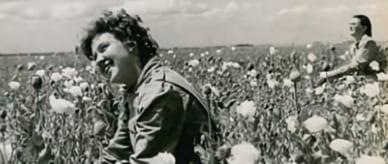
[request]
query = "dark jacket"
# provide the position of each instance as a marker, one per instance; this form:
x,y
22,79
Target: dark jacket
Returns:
x,y
164,115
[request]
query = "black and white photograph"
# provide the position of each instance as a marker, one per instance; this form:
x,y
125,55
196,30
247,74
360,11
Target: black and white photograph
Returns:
x,y
193,82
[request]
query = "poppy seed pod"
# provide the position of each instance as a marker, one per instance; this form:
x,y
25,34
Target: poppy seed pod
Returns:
x,y
3,128
37,82
3,114
20,67
207,90
250,66
295,75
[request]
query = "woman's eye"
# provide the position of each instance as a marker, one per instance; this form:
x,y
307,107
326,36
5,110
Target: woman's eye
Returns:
x,y
102,47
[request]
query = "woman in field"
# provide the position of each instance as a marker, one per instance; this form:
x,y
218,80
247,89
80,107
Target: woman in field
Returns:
x,y
164,113
364,51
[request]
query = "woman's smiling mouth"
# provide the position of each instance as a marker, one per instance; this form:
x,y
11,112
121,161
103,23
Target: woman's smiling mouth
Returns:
x,y
107,67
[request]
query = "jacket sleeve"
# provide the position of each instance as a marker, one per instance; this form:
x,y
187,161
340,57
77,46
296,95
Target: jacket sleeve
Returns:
x,y
158,127
119,147
361,59
365,54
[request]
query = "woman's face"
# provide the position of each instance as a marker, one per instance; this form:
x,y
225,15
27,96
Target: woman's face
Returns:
x,y
356,29
115,61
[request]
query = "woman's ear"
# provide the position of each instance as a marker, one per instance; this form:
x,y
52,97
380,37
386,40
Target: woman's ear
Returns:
x,y
364,28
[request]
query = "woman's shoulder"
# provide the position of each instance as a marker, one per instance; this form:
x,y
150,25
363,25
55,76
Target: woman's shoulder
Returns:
x,y
367,41
155,86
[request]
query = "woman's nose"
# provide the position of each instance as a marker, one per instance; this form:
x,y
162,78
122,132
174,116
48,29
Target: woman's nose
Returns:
x,y
100,60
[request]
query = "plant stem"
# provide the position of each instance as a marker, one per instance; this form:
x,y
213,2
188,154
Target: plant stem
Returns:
x,y
296,98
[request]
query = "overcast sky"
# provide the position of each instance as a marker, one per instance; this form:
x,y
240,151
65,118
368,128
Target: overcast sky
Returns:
x,y
53,25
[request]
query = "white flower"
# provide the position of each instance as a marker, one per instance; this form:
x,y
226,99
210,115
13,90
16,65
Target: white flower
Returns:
x,y
349,80
323,74
225,65
235,65
374,128
243,153
84,85
272,83
371,89
78,79
309,46
252,73
211,69
374,65
345,100
174,56
287,82
86,99
218,51
61,105
170,52
253,83
193,63
273,51
382,76
341,146
247,109
14,85
206,52
69,72
309,90
68,83
56,76
360,117
315,124
31,65
233,48
88,68
384,108
311,57
214,90
191,54
41,57
319,90
295,75
5,152
366,159
163,158
309,68
292,123
98,127
76,91
40,73
92,67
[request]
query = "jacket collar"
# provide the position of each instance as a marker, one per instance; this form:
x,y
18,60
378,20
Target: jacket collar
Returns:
x,y
152,64
363,39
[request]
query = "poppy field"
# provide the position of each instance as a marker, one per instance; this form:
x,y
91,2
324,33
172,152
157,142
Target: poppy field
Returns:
x,y
56,108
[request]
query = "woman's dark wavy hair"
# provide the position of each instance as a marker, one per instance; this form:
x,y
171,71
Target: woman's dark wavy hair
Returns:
x,y
364,21
125,28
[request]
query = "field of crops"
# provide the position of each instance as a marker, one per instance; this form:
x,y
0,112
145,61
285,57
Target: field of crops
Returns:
x,y
262,98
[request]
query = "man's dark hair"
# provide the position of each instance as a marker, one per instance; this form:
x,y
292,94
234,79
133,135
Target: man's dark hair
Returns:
x,y
125,28
364,21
